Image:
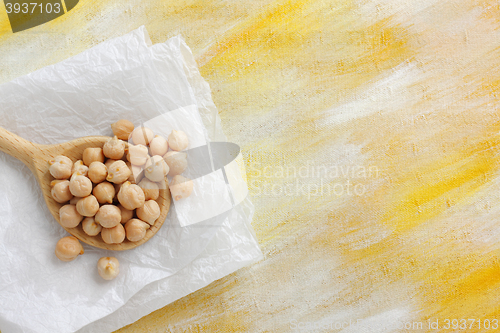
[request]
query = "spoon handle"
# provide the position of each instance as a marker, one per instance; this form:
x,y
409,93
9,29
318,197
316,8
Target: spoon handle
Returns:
x,y
17,147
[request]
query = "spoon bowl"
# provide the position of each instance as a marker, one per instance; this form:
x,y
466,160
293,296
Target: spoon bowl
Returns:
x,y
37,158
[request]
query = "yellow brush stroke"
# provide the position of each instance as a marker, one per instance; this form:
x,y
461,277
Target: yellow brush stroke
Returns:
x,y
268,59
265,60
173,318
491,9
458,283
434,188
5,28
429,179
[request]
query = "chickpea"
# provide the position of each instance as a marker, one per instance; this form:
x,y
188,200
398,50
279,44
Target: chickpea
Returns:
x,y
156,169
149,212
68,248
142,136
158,146
104,192
69,216
118,172
126,214
92,155
79,185
138,154
80,167
87,206
114,235
91,227
176,161
108,267
122,129
163,184
108,216
60,191
136,173
114,148
117,189
108,162
131,196
178,140
60,167
181,187
135,230
74,200
150,189
97,172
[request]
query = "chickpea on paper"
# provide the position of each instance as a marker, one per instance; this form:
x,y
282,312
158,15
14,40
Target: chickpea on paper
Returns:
x,y
112,191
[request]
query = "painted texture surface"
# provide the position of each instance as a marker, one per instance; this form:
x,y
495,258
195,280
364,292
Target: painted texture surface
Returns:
x,y
370,132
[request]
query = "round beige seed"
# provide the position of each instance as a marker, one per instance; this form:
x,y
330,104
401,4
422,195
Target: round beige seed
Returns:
x,y
176,161
108,267
69,216
97,172
114,235
142,136
68,248
135,230
104,193
118,172
87,206
60,167
149,212
92,155
126,214
79,185
91,227
181,187
114,148
178,140
108,216
131,196
150,189
122,129
60,191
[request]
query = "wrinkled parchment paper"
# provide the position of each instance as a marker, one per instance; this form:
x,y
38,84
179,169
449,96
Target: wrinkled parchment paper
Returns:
x,y
126,77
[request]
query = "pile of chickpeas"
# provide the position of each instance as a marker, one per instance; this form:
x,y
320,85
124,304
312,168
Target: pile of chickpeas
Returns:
x,y
112,191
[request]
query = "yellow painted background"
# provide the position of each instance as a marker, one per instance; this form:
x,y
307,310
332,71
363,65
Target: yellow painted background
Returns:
x,y
408,88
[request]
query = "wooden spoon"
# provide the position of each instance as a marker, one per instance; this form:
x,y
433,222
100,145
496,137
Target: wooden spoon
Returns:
x,y
37,158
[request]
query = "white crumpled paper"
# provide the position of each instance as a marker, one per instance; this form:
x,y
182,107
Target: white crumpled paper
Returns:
x,y
126,77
